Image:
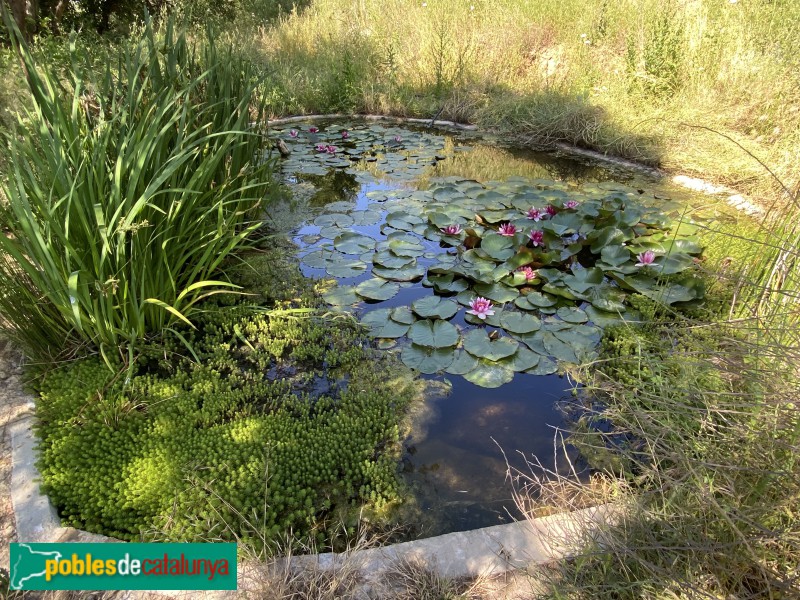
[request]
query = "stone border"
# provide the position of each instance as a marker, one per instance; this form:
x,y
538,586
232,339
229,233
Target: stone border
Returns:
x,y
429,122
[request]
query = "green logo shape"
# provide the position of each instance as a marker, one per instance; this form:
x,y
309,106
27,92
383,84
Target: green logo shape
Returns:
x,y
99,566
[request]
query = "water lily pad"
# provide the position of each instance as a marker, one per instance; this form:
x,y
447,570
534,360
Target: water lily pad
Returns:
x,y
409,272
381,324
334,219
498,247
534,300
434,334
318,259
447,283
377,289
366,217
489,374
402,314
572,314
402,247
464,363
496,292
427,360
435,307
351,242
517,322
546,366
558,348
522,360
478,343
390,260
341,296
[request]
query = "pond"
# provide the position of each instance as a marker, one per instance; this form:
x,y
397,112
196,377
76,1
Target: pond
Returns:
x,y
487,269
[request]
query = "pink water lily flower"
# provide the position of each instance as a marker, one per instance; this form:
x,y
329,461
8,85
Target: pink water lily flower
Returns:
x,y
534,214
507,229
293,133
322,148
646,258
529,273
313,129
571,204
452,229
345,135
537,237
481,308
551,210
331,149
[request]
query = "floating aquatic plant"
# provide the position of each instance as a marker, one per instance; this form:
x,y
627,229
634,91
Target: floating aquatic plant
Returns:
x,y
545,292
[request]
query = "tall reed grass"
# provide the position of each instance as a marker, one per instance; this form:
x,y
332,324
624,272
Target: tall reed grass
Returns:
x,y
623,77
127,192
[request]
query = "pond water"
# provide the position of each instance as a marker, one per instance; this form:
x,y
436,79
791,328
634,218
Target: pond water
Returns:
x,y
371,207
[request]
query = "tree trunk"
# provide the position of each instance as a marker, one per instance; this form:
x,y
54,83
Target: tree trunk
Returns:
x,y
19,14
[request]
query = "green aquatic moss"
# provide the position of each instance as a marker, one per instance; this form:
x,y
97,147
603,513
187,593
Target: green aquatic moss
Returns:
x,y
285,425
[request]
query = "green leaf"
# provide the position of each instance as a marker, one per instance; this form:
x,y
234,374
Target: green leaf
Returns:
x,y
517,322
498,247
341,296
434,334
389,260
478,343
582,280
524,256
447,283
607,236
558,349
545,367
572,314
615,256
427,360
522,360
464,363
402,314
496,292
407,273
534,300
353,243
406,248
346,266
381,325
377,289
489,374
435,307
334,220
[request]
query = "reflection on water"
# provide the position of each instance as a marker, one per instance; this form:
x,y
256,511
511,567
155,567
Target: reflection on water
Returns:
x,y
487,163
455,461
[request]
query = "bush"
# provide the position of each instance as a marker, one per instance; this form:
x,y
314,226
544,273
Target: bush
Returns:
x,y
127,192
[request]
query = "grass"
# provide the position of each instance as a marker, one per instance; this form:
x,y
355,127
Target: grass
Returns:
x,y
693,425
626,78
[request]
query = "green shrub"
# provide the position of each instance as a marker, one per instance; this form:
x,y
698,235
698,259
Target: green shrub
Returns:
x,y
127,192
